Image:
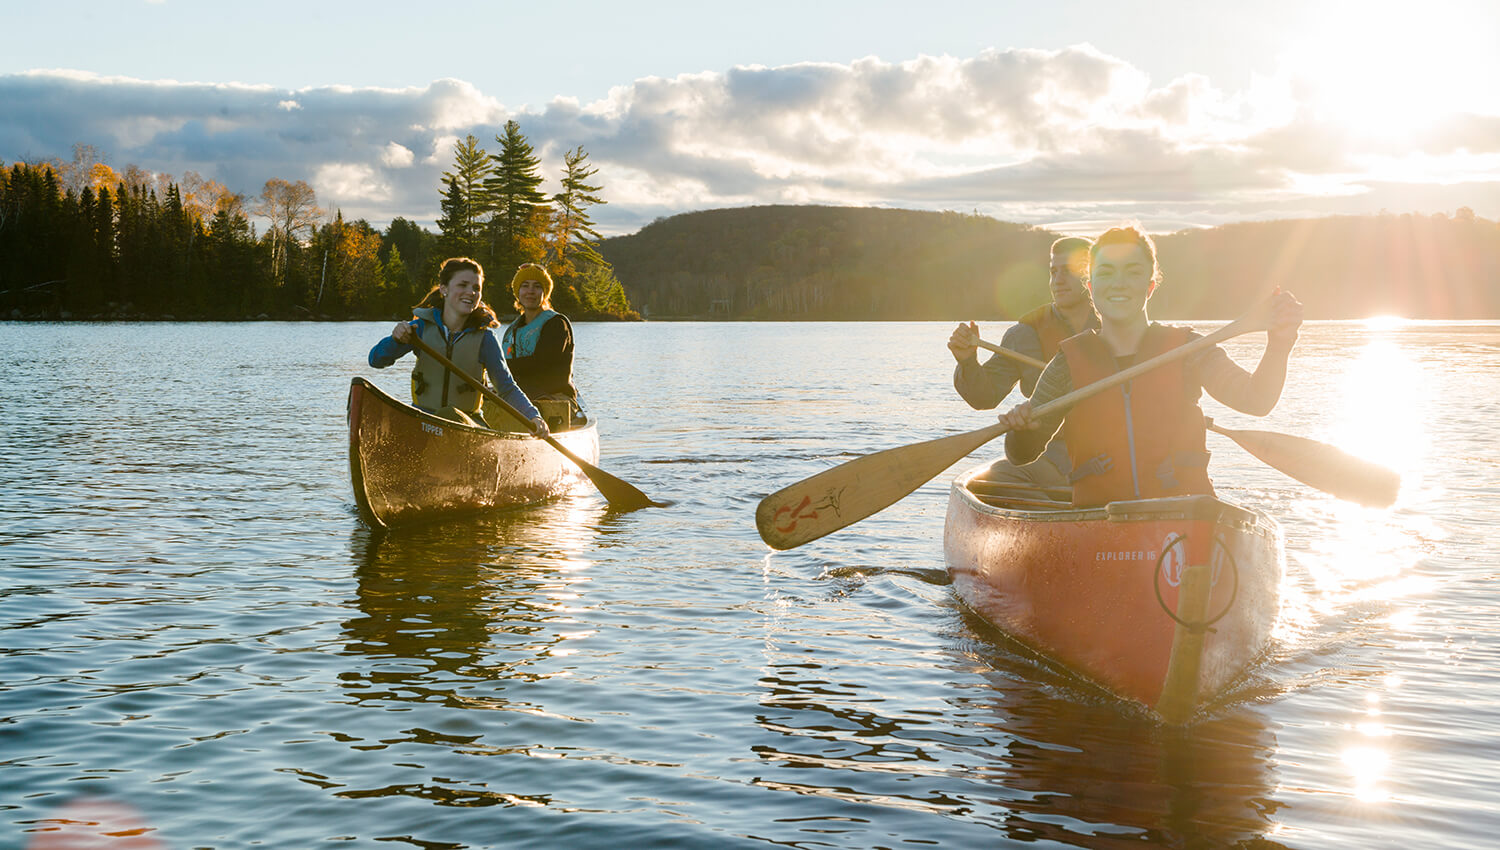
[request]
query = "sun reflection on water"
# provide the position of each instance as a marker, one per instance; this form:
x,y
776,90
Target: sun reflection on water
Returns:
x,y
1368,759
1350,560
1379,405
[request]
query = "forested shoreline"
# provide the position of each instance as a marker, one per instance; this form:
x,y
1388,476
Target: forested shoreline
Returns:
x,y
865,264
80,241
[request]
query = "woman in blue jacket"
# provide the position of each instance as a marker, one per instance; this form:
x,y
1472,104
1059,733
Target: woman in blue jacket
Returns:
x,y
454,319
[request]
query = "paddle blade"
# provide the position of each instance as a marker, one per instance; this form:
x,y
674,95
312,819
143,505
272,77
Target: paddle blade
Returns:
x,y
851,491
1321,466
621,495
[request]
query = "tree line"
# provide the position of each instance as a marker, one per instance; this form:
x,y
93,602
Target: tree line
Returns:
x,y
79,239
841,263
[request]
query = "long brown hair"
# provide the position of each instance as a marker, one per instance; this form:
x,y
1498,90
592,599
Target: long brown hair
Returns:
x,y
483,316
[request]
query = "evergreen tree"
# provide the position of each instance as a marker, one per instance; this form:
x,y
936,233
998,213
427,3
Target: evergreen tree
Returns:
x,y
466,200
397,283
602,292
515,195
419,250
574,238
455,239
105,260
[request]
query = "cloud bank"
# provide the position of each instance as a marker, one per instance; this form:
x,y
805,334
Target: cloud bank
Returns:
x,y
1044,137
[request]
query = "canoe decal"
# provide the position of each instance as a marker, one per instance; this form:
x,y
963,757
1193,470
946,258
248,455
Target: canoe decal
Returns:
x,y
1221,558
807,509
1173,555
432,429
1127,555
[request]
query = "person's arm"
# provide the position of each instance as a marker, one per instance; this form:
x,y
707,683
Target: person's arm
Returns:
x,y
985,386
390,349
1257,393
505,385
1029,433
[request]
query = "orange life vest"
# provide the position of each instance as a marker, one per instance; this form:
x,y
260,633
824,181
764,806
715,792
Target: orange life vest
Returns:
x,y
1143,439
1051,329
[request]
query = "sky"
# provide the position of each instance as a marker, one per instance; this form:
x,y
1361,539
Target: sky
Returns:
x,y
1070,115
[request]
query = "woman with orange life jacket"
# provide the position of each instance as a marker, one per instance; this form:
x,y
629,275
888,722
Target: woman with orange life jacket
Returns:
x,y
454,319
1145,438
538,345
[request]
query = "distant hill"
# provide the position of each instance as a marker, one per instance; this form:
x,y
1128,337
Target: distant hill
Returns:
x,y
845,263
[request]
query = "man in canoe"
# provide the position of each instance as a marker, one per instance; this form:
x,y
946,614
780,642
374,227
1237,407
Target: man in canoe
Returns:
x,y
454,319
1036,335
1144,438
538,345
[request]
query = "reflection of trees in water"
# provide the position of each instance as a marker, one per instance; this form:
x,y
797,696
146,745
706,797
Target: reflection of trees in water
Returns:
x,y
449,616
1031,752
448,611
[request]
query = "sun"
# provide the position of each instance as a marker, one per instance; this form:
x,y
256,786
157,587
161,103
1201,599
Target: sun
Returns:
x,y
1385,322
1388,70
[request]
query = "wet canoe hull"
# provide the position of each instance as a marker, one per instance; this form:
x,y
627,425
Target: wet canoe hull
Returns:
x,y
410,466
1162,601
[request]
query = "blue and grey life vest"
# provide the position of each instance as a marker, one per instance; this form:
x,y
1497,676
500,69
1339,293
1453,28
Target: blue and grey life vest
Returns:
x,y
520,340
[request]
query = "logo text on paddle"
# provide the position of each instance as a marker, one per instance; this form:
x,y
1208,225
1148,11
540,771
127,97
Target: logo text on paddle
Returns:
x,y
807,509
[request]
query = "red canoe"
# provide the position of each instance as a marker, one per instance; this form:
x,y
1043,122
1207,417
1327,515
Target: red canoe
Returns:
x,y
1162,601
409,466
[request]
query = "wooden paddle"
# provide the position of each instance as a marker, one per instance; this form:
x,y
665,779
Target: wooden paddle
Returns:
x,y
851,491
621,495
1319,465
1014,355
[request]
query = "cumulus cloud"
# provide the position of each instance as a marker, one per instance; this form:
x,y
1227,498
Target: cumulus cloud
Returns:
x,y
397,156
1027,135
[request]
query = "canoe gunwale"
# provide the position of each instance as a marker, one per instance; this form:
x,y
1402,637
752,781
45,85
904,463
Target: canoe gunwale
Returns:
x,y
434,419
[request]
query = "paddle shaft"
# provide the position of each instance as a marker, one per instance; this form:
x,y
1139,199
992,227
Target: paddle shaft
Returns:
x,y
851,491
620,494
1014,355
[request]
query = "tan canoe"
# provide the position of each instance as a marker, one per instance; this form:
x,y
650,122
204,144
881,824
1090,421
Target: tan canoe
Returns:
x,y
411,466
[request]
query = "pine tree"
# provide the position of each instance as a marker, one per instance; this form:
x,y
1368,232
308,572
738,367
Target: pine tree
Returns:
x,y
397,282
514,191
466,202
457,237
573,234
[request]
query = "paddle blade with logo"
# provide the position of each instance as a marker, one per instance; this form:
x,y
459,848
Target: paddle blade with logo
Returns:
x,y
851,491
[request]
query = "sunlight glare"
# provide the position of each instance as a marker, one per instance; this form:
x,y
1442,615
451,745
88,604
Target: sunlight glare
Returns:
x,y
1384,323
1372,422
1389,69
1367,766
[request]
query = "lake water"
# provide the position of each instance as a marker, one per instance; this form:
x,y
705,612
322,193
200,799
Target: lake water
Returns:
x,y
200,646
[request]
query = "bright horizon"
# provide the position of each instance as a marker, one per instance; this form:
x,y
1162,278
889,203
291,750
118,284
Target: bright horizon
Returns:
x,y
1071,117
